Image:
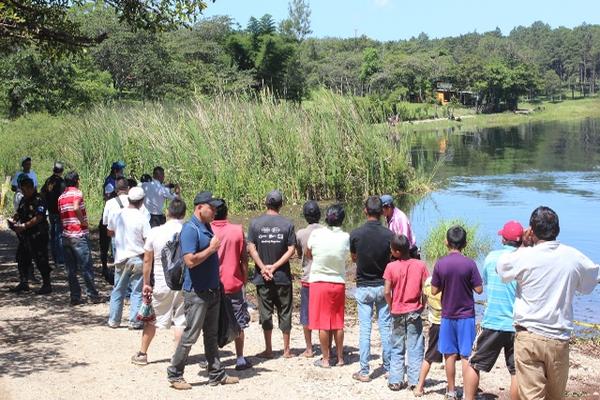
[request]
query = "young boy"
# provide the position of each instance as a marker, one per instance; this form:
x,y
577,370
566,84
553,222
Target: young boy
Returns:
x,y
432,354
403,290
456,276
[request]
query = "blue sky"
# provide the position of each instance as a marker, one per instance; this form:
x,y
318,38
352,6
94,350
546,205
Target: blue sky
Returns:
x,y
402,19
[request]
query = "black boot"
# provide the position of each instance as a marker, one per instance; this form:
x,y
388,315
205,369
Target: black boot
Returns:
x,y
45,289
21,287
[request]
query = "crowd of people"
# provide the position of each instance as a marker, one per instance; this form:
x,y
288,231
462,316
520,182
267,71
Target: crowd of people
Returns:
x,y
529,283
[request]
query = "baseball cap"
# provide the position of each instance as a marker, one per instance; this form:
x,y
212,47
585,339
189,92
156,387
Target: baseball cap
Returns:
x,y
206,198
118,165
274,198
58,167
135,194
512,230
386,200
311,209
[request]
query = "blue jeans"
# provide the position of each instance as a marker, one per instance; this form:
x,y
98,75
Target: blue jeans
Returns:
x,y
407,339
78,257
128,274
367,299
56,245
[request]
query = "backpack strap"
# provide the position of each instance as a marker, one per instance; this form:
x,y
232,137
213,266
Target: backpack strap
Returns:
x,y
119,202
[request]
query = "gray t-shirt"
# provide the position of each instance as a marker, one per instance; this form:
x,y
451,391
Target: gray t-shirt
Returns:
x,y
272,235
301,241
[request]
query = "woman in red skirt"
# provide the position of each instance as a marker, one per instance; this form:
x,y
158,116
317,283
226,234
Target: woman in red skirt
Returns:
x,y
329,249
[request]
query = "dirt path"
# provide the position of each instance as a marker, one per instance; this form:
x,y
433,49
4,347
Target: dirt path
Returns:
x,y
49,350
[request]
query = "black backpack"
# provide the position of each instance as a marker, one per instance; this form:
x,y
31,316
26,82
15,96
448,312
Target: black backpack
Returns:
x,y
172,263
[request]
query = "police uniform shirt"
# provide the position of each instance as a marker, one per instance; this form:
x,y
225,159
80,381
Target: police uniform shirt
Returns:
x,y
29,209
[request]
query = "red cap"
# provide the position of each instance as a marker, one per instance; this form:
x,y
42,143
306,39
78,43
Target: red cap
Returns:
x,y
512,230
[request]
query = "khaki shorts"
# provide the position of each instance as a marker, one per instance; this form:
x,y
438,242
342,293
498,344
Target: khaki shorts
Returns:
x,y
168,307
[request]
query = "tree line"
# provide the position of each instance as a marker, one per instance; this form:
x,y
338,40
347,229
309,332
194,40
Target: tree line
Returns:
x,y
217,56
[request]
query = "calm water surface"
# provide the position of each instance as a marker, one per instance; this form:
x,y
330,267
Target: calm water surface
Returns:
x,y
492,175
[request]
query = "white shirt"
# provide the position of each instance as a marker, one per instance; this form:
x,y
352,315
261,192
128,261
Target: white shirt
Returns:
x,y
155,195
155,242
131,229
112,209
330,248
548,275
30,174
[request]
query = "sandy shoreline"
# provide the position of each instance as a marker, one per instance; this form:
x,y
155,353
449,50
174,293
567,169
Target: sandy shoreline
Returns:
x,y
49,350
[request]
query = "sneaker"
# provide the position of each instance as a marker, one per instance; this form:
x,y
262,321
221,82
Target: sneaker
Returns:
x,y
180,384
451,395
246,365
21,287
395,387
45,289
135,327
228,380
139,358
113,325
360,377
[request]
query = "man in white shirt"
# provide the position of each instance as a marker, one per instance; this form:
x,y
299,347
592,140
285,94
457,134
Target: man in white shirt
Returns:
x,y
25,172
130,229
156,194
548,274
167,303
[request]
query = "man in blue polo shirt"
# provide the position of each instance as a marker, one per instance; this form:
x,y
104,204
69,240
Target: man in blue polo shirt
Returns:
x,y
201,293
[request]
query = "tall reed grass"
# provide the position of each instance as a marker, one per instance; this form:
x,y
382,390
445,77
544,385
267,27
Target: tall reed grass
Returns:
x,y
434,246
238,149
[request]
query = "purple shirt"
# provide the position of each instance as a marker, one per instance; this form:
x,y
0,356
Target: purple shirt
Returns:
x,y
456,276
400,225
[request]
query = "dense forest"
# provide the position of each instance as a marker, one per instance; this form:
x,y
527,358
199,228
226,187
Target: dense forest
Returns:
x,y
218,57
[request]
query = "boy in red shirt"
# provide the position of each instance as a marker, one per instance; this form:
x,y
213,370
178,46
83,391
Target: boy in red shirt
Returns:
x,y
403,291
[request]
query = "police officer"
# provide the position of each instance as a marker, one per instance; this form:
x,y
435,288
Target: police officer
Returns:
x,y
31,227
53,187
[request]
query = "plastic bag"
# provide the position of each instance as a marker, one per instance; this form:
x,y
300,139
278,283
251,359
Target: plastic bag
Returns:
x,y
146,311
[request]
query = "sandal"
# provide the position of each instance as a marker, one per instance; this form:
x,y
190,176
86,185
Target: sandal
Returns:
x,y
319,363
395,386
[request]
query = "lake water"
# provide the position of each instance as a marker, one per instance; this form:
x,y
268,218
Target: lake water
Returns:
x,y
490,176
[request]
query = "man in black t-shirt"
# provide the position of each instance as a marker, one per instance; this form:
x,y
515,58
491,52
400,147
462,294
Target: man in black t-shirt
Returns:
x,y
53,187
31,227
271,243
370,250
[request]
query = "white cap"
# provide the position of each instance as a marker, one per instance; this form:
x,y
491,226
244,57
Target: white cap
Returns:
x,y
135,194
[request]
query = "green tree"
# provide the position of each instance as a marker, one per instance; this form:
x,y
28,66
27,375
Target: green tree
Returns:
x,y
297,24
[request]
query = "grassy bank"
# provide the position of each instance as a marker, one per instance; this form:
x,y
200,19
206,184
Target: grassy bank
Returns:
x,y
567,110
239,150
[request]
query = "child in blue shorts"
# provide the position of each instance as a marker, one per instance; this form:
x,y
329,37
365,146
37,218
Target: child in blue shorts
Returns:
x,y
456,276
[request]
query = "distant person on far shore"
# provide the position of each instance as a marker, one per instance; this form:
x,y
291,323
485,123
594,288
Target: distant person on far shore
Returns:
x,y
328,248
233,272
168,304
53,187
370,250
271,243
548,274
76,240
403,290
156,194
399,223
497,330
457,277
312,215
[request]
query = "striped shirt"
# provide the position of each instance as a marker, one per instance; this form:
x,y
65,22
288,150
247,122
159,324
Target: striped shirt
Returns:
x,y
71,225
498,315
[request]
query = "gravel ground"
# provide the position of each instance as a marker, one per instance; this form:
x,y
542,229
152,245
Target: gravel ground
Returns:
x,y
49,350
